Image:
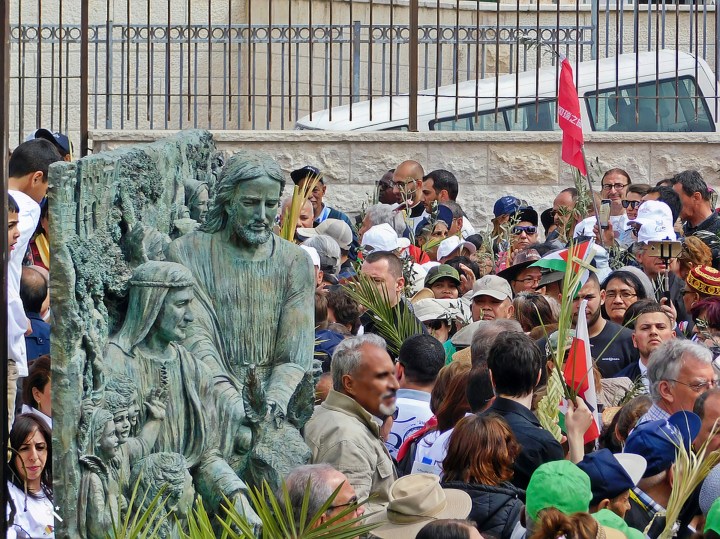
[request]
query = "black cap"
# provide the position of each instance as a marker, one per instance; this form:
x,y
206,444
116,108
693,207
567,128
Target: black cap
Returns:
x,y
302,173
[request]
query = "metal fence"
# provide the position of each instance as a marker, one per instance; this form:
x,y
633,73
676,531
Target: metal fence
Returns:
x,y
263,64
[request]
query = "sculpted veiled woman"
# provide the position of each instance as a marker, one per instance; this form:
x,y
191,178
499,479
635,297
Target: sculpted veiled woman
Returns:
x,y
147,350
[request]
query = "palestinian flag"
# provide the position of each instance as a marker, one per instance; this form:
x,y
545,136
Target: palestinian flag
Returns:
x,y
558,260
578,373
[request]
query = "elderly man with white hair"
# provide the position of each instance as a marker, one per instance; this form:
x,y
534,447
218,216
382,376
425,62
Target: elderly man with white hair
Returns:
x,y
679,372
342,431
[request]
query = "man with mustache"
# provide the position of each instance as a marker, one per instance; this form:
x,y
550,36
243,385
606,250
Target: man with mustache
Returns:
x,y
251,311
343,431
652,328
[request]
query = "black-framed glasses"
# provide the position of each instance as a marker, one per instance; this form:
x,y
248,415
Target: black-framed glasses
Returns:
x,y
632,204
528,280
624,294
529,230
616,186
699,386
351,501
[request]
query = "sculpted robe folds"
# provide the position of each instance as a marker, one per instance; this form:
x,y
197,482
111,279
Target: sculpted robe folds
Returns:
x,y
258,313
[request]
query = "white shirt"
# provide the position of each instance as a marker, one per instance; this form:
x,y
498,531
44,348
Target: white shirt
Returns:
x,y
467,228
34,517
29,216
413,412
433,449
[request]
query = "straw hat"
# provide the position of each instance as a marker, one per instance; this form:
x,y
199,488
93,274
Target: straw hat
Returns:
x,y
415,500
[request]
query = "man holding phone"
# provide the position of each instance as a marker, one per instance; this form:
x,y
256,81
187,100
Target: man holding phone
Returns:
x,y
656,251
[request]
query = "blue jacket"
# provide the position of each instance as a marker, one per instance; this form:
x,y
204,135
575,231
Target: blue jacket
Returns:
x,y
38,342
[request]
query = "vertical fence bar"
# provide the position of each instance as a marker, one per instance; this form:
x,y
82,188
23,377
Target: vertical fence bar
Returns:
x,y
38,69
355,44
289,59
127,65
371,38
311,35
84,66
413,66
329,67
456,59
21,78
167,64
209,64
4,149
438,56
390,38
268,112
594,30
108,67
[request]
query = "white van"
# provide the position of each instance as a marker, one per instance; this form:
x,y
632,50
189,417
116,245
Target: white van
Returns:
x,y
692,83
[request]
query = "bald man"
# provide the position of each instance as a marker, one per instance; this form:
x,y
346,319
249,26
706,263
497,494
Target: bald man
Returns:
x,y
305,218
408,178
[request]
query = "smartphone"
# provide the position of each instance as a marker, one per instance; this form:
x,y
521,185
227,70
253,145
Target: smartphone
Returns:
x,y
604,212
665,249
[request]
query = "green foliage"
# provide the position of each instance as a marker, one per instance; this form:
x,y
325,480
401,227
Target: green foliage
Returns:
x,y
394,324
278,519
299,197
276,514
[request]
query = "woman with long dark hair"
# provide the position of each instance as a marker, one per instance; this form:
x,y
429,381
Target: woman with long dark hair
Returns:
x,y
479,461
29,478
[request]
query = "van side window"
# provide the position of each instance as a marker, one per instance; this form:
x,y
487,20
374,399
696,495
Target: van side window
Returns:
x,y
541,116
486,121
617,110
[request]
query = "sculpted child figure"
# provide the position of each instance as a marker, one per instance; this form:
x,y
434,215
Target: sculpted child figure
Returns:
x,y
99,498
146,349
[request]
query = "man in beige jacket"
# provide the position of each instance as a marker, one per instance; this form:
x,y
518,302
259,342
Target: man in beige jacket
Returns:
x,y
342,431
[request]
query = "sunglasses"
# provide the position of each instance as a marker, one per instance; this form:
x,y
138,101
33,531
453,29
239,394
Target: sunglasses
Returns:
x,y
434,325
529,230
632,204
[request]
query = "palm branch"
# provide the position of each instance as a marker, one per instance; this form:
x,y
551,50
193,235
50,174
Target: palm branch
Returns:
x,y
394,324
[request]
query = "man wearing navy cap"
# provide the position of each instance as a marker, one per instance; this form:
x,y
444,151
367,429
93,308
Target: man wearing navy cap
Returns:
x,y
61,142
656,441
611,478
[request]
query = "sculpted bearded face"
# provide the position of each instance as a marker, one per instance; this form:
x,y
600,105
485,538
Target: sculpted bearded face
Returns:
x,y
253,211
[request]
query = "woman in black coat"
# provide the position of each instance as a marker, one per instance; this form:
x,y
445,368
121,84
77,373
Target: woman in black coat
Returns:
x,y
479,461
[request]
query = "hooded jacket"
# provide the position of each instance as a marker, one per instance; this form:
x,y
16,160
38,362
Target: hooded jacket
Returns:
x,y
495,509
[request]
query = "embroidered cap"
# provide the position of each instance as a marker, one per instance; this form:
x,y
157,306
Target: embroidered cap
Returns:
x,y
704,279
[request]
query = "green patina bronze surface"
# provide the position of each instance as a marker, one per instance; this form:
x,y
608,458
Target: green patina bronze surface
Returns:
x,y
182,338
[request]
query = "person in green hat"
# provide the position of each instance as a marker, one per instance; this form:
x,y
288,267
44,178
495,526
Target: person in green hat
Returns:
x,y
712,521
610,519
444,281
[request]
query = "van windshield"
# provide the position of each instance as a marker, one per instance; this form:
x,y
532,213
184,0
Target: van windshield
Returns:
x,y
679,107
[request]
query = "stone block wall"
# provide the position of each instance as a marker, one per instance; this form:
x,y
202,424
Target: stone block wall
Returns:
x,y
487,165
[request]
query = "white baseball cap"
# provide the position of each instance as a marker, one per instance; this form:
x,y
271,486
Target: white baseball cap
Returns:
x,y
453,243
337,229
656,222
312,252
383,238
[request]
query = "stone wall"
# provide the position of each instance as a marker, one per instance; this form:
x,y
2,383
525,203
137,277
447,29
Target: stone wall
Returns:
x,y
487,165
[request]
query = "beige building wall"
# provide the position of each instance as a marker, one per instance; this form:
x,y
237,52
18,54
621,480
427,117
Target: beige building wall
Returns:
x,y
279,79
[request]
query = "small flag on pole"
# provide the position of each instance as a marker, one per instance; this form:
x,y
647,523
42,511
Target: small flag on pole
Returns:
x,y
578,372
569,118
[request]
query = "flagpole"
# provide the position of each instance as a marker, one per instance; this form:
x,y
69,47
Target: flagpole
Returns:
x,y
592,197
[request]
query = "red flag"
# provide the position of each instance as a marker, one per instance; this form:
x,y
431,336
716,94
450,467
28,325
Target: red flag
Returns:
x,y
578,372
569,119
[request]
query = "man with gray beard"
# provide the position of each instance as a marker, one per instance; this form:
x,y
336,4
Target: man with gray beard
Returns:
x,y
252,321
343,433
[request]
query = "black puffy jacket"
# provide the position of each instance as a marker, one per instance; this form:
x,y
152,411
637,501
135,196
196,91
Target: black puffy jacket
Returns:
x,y
495,510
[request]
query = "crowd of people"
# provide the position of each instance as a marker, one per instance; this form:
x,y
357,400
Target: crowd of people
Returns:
x,y
439,435
442,436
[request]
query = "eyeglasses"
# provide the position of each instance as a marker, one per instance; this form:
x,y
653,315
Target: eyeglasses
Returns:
x,y
528,280
624,295
351,501
699,386
632,204
529,230
616,186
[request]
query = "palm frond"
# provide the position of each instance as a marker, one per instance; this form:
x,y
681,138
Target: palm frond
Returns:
x,y
690,470
299,197
394,324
